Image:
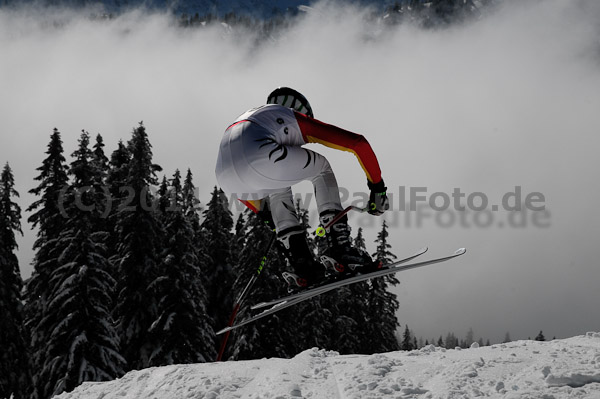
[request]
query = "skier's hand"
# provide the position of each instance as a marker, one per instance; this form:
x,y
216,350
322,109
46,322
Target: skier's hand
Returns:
x,y
378,200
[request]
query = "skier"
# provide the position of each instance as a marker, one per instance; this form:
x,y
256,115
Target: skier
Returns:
x,y
261,157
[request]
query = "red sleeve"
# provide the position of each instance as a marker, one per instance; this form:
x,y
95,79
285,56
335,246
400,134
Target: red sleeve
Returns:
x,y
315,131
253,205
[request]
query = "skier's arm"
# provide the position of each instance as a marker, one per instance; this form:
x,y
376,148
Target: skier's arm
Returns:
x,y
315,131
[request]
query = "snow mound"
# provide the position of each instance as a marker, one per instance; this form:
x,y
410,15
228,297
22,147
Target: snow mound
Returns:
x,y
568,368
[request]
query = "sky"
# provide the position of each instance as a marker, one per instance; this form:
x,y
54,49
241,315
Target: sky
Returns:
x,y
460,118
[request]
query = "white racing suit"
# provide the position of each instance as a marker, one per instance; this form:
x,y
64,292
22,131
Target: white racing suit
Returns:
x,y
261,156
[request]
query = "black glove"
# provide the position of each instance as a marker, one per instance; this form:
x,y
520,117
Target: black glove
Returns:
x,y
378,200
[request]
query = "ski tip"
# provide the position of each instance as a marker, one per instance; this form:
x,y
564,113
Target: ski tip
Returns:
x,y
423,250
223,331
460,251
258,305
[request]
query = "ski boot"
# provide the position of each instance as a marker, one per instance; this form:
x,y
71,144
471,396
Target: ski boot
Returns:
x,y
338,254
308,272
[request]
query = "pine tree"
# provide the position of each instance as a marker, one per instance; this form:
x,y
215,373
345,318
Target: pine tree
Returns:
x,y
191,210
102,201
99,157
352,314
470,338
118,171
140,238
14,367
239,238
83,345
407,340
322,319
119,196
250,342
50,218
451,341
191,204
164,202
182,332
359,240
218,235
540,337
383,304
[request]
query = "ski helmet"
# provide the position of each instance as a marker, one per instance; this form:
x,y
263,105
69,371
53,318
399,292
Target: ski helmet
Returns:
x,y
290,98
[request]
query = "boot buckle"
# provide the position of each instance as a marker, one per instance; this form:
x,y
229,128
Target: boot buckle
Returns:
x,y
332,265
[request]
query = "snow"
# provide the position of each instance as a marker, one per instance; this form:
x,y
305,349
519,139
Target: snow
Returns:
x,y
568,368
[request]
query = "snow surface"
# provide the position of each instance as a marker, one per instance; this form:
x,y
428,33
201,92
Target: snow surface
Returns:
x,y
568,368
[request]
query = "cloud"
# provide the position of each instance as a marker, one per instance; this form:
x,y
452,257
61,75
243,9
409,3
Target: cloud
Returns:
x,y
508,100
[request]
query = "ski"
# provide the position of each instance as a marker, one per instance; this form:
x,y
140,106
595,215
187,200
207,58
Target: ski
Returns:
x,y
326,285
336,284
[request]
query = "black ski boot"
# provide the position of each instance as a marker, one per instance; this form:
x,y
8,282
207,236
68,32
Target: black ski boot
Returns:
x,y
337,252
307,271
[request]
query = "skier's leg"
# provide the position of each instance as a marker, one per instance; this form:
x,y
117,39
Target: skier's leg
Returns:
x,y
293,242
317,169
327,193
283,211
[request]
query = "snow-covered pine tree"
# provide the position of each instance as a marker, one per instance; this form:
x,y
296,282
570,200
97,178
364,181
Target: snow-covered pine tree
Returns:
x,y
164,200
191,203
351,329
182,333
99,157
407,344
470,338
48,217
14,367
540,337
102,200
318,316
218,273
383,304
82,344
273,336
191,210
116,184
359,240
239,237
140,235
451,341
118,170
